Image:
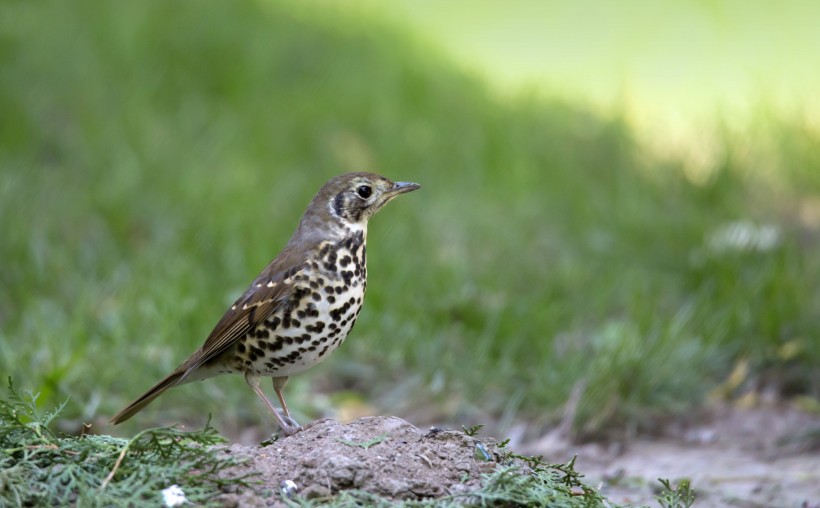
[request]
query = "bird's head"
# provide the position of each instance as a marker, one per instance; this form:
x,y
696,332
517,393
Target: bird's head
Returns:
x,y
355,197
345,203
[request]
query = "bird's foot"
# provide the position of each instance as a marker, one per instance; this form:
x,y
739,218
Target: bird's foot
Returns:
x,y
290,426
287,425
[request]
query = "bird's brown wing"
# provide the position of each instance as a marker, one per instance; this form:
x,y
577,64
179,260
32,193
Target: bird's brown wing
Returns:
x,y
270,290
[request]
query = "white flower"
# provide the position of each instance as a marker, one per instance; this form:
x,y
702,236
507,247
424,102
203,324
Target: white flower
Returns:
x,y
173,496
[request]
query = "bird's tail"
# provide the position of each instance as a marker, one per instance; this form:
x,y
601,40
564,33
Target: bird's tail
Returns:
x,y
135,407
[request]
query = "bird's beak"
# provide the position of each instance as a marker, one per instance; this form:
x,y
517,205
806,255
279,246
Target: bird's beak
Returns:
x,y
402,187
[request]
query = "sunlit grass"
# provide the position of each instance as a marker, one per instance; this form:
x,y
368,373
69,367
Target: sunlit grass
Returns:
x,y
154,157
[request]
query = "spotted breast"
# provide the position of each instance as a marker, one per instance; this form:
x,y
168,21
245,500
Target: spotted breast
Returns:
x,y
326,300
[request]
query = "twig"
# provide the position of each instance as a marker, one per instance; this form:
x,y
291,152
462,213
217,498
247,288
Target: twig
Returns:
x,y
114,470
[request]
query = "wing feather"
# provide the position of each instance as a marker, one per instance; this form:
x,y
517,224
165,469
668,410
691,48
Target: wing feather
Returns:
x,y
268,292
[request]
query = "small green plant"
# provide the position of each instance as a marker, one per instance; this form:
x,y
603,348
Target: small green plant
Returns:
x,y
564,475
671,497
473,429
549,485
41,468
364,444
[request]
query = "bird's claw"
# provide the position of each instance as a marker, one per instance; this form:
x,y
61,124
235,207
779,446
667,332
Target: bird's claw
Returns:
x,y
287,425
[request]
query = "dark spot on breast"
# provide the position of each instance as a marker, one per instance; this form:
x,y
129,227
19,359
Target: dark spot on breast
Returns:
x,y
316,327
344,261
336,314
316,297
240,347
255,351
331,299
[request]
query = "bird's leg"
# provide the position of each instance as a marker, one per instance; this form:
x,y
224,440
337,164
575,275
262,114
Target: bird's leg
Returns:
x,y
286,423
278,384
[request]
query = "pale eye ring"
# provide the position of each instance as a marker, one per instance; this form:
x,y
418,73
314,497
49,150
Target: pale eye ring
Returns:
x,y
364,191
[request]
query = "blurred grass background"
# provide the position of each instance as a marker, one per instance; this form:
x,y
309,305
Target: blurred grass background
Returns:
x,y
155,156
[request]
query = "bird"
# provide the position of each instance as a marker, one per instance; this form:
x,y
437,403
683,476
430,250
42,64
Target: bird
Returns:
x,y
302,306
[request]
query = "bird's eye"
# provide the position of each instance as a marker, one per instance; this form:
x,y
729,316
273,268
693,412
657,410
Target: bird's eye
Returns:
x,y
364,191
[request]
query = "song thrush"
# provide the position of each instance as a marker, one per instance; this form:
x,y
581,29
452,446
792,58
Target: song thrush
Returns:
x,y
302,306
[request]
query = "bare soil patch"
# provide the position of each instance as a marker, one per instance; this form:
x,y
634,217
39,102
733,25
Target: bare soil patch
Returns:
x,y
386,456
738,458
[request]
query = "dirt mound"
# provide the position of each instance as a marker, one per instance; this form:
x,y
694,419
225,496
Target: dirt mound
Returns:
x,y
385,456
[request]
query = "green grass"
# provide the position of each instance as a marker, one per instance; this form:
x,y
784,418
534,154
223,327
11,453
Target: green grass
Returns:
x,y
155,156
39,467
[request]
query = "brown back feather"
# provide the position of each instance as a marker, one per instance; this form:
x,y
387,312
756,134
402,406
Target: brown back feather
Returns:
x,y
251,309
